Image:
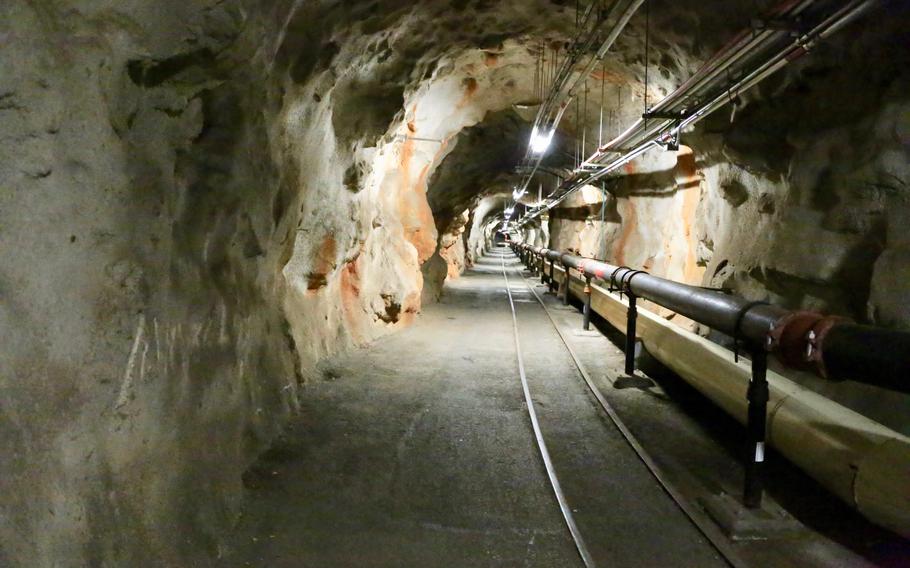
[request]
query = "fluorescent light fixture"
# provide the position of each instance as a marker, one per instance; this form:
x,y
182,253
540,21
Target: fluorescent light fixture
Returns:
x,y
540,141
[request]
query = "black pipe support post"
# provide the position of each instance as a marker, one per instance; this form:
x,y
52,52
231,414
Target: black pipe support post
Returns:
x,y
552,283
587,319
753,486
565,297
631,318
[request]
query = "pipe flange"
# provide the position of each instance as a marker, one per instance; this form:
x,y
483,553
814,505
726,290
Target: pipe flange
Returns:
x,y
789,337
815,342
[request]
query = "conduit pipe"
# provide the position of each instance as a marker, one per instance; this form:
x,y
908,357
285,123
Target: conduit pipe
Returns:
x,y
747,43
554,106
708,90
861,461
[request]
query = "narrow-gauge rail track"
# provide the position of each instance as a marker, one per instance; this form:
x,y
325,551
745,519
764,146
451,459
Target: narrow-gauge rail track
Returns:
x,y
564,507
694,514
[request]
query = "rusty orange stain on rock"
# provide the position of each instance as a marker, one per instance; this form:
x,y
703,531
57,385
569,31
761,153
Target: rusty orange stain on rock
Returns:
x,y
350,299
688,180
422,177
629,168
470,88
686,174
414,210
490,59
323,263
608,76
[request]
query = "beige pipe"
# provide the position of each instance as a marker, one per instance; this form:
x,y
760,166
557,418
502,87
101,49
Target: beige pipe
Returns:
x,y
864,463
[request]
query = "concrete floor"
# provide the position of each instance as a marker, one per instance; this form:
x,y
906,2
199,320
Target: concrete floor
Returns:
x,y
418,451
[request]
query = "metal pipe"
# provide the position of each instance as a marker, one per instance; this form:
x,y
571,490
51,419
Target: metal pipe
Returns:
x,y
831,347
648,133
861,461
715,309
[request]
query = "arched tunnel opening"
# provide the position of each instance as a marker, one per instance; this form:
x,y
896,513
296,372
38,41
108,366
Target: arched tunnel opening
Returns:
x,y
467,283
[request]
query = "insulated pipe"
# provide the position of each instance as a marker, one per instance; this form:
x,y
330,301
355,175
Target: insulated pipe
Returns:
x,y
701,84
861,461
830,346
858,459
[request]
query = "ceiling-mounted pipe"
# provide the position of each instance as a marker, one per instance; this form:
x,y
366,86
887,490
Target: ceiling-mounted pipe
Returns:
x,y
558,99
648,133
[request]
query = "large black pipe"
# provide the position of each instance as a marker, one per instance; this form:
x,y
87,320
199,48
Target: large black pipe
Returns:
x,y
732,315
876,356
835,348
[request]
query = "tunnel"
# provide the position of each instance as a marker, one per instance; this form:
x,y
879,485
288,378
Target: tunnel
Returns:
x,y
376,283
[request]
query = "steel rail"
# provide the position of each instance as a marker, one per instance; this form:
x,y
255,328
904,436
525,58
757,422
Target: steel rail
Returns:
x,y
577,538
696,516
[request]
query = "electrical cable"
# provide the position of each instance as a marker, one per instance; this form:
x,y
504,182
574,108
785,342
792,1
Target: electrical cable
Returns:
x,y
647,51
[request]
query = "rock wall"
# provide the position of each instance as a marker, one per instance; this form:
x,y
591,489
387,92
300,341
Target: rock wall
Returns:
x,y
201,199
795,197
145,355
198,201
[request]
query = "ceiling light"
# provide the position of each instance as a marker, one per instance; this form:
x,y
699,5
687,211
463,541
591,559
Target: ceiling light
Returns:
x,y
540,141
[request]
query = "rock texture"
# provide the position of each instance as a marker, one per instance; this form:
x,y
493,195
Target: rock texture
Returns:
x,y
795,198
199,200
145,355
